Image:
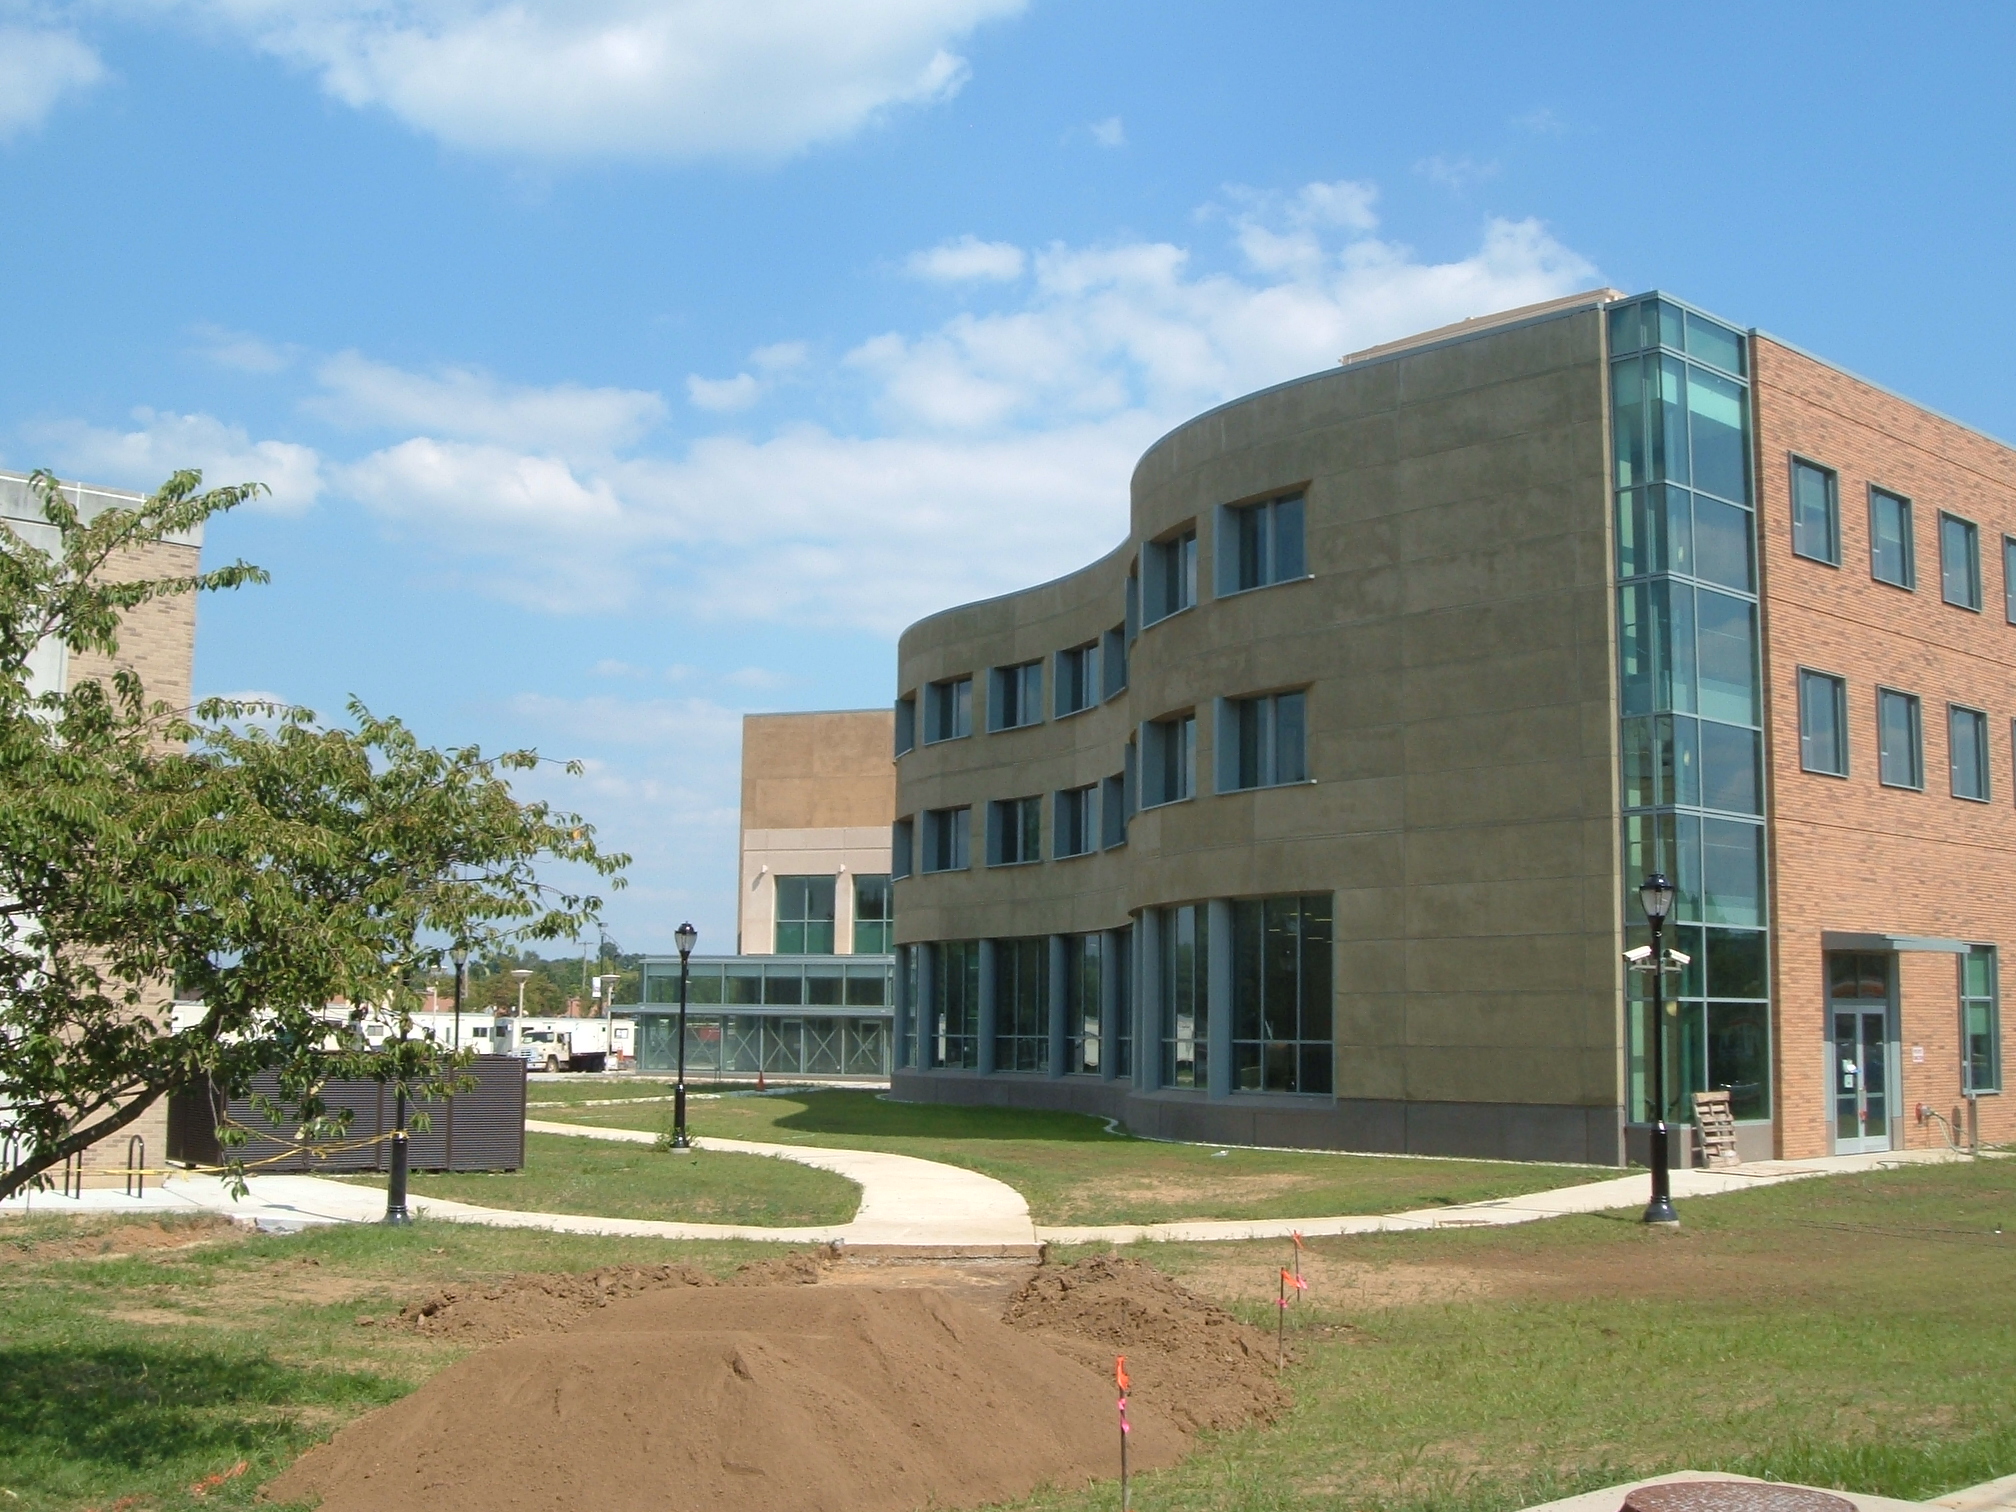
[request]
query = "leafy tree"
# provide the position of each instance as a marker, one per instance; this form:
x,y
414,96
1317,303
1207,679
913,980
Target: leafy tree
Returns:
x,y
265,862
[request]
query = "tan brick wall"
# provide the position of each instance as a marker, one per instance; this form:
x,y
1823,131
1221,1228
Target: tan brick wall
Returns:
x,y
1849,854
158,642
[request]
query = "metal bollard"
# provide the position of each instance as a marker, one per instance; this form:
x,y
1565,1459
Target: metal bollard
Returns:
x,y
136,1166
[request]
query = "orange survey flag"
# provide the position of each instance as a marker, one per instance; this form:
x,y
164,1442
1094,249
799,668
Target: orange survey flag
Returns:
x,y
1290,1279
1296,1235
1120,1373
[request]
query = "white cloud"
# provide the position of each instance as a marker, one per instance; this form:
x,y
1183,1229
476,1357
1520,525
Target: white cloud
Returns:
x,y
37,68
1457,173
244,353
968,258
781,357
723,395
165,442
680,79
1109,132
471,405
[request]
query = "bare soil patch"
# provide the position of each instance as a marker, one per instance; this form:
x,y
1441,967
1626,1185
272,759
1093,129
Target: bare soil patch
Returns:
x,y
1350,1286
787,1398
1186,1356
802,1384
98,1242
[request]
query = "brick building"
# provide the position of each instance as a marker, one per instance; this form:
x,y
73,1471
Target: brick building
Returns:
x,y
1314,812
157,641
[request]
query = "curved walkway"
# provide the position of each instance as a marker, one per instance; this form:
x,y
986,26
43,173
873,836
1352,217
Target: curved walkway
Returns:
x,y
907,1202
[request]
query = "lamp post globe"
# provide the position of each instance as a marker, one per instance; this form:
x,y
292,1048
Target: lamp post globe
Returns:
x,y
685,937
460,956
524,975
1655,896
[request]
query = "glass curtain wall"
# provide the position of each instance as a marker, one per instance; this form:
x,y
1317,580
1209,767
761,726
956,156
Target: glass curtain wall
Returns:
x,y
1185,1003
953,1014
1083,979
1692,704
1022,1004
1281,994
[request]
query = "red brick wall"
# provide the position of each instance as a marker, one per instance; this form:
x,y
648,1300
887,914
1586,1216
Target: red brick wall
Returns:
x,y
1849,854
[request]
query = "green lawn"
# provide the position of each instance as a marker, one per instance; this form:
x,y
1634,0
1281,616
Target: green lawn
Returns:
x,y
597,1089
1074,1172
137,1376
567,1174
1854,1332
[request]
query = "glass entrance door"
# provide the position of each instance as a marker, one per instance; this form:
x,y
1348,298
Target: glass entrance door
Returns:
x,y
1861,1065
1861,1082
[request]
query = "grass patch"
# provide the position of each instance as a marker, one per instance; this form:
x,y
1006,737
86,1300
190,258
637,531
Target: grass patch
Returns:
x,y
1852,1332
596,1089
133,1369
567,1174
1074,1172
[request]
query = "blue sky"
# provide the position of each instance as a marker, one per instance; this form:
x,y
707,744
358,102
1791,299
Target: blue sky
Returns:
x,y
620,366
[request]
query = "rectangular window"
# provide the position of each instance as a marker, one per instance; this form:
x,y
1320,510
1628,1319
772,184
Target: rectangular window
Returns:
x,y
906,725
1168,576
1168,760
1185,1006
1980,1022
1968,751
1113,811
1890,559
1084,964
1959,562
1259,544
1823,724
1015,696
1022,1004
1113,661
952,1016
1281,1040
1077,678
1262,742
948,709
948,839
805,916
1816,513
1900,743
1075,831
1014,831
902,843
2009,579
1123,989
874,916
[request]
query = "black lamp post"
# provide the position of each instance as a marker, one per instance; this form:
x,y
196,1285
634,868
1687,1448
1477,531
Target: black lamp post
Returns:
x,y
1656,895
460,956
686,937
395,1189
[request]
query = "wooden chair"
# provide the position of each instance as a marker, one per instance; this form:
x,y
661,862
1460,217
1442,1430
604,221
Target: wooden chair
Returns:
x,y
1717,1128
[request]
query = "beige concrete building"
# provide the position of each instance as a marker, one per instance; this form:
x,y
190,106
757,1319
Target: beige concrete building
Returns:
x,y
157,641
1314,813
818,795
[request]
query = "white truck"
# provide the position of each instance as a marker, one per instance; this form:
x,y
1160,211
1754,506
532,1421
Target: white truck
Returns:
x,y
572,1044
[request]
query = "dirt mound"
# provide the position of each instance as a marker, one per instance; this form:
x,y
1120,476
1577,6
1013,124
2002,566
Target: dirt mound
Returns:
x,y
551,1303
784,1398
1186,1356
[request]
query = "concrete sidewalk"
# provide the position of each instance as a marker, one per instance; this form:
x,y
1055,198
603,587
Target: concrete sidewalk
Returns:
x,y
911,1203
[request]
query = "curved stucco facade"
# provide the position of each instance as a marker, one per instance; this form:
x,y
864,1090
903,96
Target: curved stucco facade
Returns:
x,y
1451,635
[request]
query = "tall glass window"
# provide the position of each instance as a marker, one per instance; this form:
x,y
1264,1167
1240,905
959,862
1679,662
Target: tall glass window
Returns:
x,y
1890,559
952,1017
1968,749
1959,562
1260,544
1168,576
1169,760
948,709
1084,969
1900,744
1122,965
1015,696
1077,678
1281,1036
1816,512
2009,578
805,916
1014,831
1823,724
1186,1011
874,916
1022,1004
1692,738
1980,1022
1262,742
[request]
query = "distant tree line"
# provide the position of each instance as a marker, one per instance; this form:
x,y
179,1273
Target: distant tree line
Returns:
x,y
554,981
